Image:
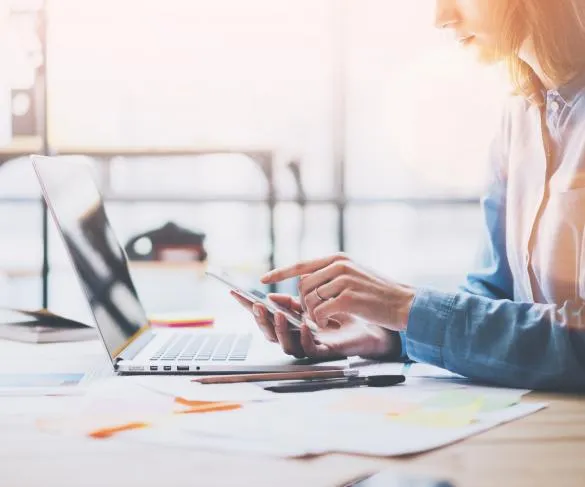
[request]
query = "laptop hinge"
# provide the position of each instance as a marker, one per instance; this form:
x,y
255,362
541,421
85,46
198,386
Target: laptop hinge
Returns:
x,y
136,346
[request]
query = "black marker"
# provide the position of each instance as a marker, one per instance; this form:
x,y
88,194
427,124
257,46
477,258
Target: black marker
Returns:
x,y
320,385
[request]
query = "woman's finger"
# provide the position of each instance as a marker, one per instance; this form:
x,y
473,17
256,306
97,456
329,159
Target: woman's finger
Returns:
x,y
311,348
301,297
260,316
242,300
287,301
265,322
305,267
340,270
335,308
329,290
289,342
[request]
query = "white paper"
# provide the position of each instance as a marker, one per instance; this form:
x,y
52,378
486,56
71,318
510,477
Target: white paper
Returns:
x,y
271,429
414,417
50,380
185,388
308,425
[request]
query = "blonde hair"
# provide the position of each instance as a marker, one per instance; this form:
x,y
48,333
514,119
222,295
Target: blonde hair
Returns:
x,y
557,31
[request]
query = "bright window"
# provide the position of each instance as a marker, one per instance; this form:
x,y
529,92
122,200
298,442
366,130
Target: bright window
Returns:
x,y
369,83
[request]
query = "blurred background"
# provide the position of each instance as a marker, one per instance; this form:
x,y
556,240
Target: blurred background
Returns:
x,y
279,129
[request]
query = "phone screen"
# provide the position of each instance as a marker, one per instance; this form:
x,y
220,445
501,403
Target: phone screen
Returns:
x,y
294,318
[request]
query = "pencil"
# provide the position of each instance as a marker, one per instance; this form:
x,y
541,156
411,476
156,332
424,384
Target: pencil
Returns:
x,y
305,374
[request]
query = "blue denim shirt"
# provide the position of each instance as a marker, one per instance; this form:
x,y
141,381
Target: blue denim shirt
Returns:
x,y
519,320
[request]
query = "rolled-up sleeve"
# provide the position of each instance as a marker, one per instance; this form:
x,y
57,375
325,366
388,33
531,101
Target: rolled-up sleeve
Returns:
x,y
482,333
527,345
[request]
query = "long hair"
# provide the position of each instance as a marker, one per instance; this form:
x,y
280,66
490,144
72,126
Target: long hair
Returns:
x,y
557,31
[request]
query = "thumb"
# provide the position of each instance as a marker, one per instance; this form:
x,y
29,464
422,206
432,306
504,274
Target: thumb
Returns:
x,y
338,321
287,301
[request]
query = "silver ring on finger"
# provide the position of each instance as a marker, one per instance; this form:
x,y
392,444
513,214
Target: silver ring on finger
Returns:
x,y
319,296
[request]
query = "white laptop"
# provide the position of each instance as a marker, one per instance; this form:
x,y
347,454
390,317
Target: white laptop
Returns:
x,y
102,266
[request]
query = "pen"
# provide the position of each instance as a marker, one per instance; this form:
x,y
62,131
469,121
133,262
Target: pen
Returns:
x,y
259,377
319,385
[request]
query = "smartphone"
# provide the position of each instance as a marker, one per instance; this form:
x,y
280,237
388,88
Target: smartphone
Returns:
x,y
294,318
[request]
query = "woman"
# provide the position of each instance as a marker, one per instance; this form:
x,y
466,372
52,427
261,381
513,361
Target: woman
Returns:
x,y
520,318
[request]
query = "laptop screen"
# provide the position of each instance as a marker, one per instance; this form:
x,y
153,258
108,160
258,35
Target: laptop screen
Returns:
x,y
100,261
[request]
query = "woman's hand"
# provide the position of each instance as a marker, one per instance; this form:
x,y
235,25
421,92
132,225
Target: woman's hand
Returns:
x,y
337,289
356,339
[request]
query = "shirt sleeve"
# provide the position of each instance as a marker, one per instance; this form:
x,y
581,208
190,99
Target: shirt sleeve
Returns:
x,y
491,277
403,353
536,346
481,333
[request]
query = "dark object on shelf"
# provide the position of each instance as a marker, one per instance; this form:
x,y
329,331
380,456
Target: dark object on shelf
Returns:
x,y
170,243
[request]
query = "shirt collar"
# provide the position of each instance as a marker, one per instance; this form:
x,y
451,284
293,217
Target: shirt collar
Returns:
x,y
570,90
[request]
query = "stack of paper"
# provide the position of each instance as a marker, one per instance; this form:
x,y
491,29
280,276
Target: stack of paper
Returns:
x,y
243,417
370,422
42,326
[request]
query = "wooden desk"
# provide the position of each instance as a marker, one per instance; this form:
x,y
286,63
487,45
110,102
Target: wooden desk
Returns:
x,y
544,449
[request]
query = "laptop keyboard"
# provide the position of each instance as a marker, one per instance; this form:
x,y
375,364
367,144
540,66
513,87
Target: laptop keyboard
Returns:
x,y
213,347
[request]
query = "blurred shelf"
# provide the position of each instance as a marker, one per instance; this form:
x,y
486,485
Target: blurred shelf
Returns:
x,y
25,145
21,272
36,271
258,200
21,146
129,151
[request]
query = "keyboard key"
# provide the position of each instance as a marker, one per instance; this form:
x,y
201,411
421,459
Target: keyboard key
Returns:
x,y
204,347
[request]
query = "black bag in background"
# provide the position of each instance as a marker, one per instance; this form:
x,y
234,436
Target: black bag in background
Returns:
x,y
170,243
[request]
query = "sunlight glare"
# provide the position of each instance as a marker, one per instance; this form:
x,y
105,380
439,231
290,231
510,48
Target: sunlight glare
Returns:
x,y
445,117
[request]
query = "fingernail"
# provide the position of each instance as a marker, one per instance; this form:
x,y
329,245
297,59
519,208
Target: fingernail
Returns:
x,y
256,311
